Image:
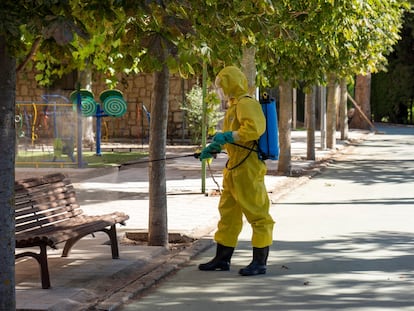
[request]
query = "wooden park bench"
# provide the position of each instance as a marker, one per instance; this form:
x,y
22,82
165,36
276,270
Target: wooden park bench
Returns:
x,y
47,214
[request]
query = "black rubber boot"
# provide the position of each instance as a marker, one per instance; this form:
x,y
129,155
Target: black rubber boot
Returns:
x,y
221,261
258,264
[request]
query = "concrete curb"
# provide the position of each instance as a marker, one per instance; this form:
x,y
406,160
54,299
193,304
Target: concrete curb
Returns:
x,y
155,272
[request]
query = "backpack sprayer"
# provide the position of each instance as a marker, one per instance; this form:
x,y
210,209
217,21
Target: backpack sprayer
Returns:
x,y
268,145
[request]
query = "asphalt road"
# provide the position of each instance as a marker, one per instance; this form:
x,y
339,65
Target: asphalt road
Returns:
x,y
342,241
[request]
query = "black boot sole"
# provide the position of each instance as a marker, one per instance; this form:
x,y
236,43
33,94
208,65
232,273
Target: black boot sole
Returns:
x,y
220,266
250,272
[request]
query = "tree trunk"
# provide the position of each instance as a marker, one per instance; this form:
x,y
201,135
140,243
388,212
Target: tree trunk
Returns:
x,y
248,64
158,224
322,98
362,97
343,110
331,111
310,124
285,125
7,160
294,108
87,132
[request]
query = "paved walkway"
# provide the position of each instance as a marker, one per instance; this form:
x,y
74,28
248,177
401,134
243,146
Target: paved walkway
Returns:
x,y
89,278
342,241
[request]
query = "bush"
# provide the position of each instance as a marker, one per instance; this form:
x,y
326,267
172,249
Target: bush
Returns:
x,y
194,113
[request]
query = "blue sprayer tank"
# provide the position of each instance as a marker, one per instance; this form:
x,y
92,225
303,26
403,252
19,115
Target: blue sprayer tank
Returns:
x,y
269,141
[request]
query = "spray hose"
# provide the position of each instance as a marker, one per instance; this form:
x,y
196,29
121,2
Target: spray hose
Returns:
x,y
195,155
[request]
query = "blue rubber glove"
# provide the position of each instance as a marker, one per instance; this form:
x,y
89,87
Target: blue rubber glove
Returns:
x,y
210,150
224,138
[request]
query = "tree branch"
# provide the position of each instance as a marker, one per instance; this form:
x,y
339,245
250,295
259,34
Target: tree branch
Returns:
x,y
33,50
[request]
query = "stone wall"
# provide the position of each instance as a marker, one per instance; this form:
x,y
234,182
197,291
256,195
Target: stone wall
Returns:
x,y
137,91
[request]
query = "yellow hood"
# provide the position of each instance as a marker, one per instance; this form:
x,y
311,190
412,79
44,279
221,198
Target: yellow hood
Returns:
x,y
233,82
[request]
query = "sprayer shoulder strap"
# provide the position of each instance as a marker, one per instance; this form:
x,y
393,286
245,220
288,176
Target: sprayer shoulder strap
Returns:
x,y
244,96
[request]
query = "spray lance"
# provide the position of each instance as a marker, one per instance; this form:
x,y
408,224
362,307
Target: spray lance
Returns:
x,y
267,146
196,155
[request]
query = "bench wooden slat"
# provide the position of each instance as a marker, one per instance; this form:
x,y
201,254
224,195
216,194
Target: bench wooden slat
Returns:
x,y
36,181
39,223
21,216
35,207
40,188
47,214
45,195
61,232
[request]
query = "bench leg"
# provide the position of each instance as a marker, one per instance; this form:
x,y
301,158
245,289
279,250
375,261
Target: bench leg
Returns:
x,y
112,237
114,241
41,258
69,244
44,268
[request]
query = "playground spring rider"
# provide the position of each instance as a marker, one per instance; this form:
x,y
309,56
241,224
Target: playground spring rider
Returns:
x,y
113,105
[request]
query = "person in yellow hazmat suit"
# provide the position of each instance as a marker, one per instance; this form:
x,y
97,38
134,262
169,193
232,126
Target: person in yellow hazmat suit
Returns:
x,y
244,190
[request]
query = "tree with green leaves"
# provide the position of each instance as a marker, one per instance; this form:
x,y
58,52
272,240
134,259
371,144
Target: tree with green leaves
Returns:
x,y
25,27
393,90
44,18
380,32
155,33
322,39
94,48
7,138
177,37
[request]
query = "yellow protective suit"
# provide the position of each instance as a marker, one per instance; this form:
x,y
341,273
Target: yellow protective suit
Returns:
x,y
244,191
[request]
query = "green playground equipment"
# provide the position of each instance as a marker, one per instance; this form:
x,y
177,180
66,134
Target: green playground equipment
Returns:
x,y
88,104
113,105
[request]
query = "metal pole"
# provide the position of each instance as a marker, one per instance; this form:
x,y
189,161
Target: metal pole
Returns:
x,y
79,130
204,128
98,130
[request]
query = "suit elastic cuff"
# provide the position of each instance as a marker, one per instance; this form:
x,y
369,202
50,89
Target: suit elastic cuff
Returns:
x,y
235,135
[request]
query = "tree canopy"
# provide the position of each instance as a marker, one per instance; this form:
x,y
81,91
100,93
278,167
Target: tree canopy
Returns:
x,y
322,37
393,89
299,40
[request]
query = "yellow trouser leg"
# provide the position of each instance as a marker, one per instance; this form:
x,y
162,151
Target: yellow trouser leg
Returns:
x,y
254,200
245,193
231,217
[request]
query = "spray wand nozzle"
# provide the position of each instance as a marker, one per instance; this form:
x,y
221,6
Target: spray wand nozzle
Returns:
x,y
197,154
